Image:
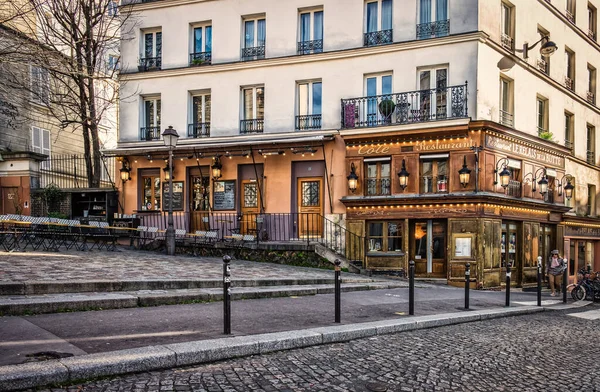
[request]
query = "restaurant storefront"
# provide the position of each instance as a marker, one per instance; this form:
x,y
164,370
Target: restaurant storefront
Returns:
x,y
581,245
415,201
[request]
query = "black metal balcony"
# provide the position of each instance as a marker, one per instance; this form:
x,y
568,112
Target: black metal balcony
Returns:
x,y
150,133
441,28
507,42
254,53
591,98
381,37
255,125
405,108
569,145
199,130
200,58
543,66
506,118
591,157
307,122
308,47
150,64
378,187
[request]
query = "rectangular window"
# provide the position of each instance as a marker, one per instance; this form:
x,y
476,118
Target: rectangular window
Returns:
x,y
592,22
378,178
507,26
113,8
201,45
40,143
591,93
377,89
378,22
570,68
591,201
434,173
591,144
113,63
569,135
433,19
542,116
40,85
309,106
200,125
151,57
570,10
433,95
255,35
506,102
385,236
151,118
310,34
253,110
150,192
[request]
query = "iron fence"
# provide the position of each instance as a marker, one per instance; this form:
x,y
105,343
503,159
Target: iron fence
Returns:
x,y
69,171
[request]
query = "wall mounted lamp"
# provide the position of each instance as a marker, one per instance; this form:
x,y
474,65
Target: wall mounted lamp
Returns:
x,y
352,178
403,176
568,187
504,175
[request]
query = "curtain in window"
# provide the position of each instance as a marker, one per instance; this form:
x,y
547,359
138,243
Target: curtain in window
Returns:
x,y
158,44
197,113
425,11
305,27
386,15
260,103
316,103
248,104
208,39
261,33
198,40
318,25
371,17
249,34
441,10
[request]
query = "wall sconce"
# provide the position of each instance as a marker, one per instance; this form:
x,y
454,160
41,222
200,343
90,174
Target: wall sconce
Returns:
x,y
168,172
125,170
568,187
352,178
464,174
543,182
504,174
403,176
216,168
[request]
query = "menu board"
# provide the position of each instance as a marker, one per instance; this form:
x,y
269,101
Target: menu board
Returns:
x,y
224,195
177,196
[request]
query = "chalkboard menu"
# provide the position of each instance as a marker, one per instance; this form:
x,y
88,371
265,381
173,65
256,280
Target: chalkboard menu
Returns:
x,y
224,195
177,196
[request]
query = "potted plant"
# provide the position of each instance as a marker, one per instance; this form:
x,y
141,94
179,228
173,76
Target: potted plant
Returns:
x,y
546,135
198,61
387,107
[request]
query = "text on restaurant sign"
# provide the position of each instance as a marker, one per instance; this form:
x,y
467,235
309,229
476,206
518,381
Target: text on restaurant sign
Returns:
x,y
435,145
524,151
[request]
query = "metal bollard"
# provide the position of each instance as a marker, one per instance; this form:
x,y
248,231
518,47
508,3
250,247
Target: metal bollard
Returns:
x,y
338,291
411,287
508,273
539,281
467,284
226,295
564,285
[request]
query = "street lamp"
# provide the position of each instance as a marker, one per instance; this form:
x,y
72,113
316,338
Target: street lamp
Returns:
x,y
464,174
568,187
170,137
352,178
125,170
403,176
504,174
547,49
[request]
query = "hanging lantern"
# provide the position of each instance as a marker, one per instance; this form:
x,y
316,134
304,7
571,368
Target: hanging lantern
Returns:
x,y
352,179
125,170
464,174
569,190
403,176
216,169
168,172
543,184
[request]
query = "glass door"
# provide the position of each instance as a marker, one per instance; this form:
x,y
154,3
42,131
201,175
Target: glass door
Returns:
x,y
509,246
429,247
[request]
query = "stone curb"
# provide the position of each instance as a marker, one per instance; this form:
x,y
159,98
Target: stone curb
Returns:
x,y
79,368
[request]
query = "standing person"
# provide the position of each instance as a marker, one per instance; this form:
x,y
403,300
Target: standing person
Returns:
x,y
554,271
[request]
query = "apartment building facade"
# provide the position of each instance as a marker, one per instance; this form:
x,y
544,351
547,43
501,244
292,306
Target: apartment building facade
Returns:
x,y
419,125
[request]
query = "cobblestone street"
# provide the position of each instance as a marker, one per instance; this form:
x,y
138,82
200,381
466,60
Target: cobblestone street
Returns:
x,y
549,351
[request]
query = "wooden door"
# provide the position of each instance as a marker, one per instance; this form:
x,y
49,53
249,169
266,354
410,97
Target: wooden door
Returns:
x,y
438,249
310,207
250,205
429,248
10,200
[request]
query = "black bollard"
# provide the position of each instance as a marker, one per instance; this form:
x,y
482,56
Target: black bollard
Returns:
x,y
467,283
411,287
226,295
539,281
564,285
338,291
508,265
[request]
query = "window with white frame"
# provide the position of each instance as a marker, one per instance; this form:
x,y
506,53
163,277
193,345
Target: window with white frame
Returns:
x,y
507,28
591,93
310,31
201,44
151,56
506,102
151,118
200,115
40,143
433,94
570,10
592,21
433,19
309,105
570,69
569,133
253,109
113,63
378,88
254,39
378,22
542,115
40,85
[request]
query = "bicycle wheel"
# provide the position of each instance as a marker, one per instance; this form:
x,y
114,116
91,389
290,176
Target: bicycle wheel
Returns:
x,y
578,293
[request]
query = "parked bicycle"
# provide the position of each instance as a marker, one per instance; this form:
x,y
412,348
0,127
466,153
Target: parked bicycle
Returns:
x,y
587,287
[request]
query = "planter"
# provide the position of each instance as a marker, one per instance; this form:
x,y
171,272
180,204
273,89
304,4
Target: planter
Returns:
x,y
387,107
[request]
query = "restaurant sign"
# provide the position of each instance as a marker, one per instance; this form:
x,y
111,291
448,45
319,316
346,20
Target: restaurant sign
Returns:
x,y
524,151
421,146
577,231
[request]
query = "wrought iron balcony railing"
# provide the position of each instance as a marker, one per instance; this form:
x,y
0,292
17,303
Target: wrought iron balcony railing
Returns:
x,y
592,34
507,42
570,16
433,184
381,37
569,83
514,188
543,66
200,58
150,133
440,28
591,97
506,118
591,157
150,64
307,122
254,53
549,196
569,145
541,131
308,47
405,108
255,125
199,130
378,187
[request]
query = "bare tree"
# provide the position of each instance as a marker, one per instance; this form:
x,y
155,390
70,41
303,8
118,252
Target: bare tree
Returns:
x,y
67,44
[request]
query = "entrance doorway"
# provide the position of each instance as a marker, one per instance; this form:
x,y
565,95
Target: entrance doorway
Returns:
x,y
310,207
250,206
429,248
10,200
199,198
547,245
509,245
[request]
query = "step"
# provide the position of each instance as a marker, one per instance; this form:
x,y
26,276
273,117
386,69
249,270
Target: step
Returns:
x,y
64,302
81,286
